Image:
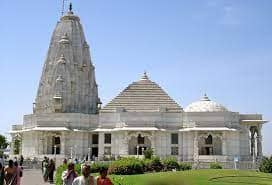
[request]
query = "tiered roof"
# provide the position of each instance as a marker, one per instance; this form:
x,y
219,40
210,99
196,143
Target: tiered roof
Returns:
x,y
142,96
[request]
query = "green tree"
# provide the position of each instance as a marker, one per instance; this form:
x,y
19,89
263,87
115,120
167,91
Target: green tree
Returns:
x,y
3,142
16,147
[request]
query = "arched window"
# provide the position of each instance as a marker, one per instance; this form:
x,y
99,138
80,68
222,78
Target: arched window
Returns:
x,y
140,139
209,140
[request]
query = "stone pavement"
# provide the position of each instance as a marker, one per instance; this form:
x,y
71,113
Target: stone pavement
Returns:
x,y
33,177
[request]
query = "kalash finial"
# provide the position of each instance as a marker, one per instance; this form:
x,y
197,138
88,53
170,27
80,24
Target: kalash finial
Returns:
x,y
145,77
205,97
70,7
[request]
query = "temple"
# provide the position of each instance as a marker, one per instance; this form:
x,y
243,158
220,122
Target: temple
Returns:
x,y
69,121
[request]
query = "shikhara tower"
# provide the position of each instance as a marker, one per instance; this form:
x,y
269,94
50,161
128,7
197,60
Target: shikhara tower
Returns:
x,y
67,119
68,81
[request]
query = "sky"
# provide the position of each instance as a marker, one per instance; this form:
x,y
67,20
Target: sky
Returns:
x,y
219,47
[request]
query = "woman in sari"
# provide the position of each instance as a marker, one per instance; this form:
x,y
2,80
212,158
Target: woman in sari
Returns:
x,y
11,174
2,174
51,170
45,169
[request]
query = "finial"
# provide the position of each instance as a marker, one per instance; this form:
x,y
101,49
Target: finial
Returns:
x,y
205,97
70,7
145,77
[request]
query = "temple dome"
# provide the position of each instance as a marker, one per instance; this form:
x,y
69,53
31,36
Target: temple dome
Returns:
x,y
205,105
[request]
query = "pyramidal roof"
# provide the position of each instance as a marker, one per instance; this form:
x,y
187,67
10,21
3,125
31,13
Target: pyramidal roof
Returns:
x,y
142,96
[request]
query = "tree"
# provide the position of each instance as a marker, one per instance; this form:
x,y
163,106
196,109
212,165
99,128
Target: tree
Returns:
x,y
266,165
3,142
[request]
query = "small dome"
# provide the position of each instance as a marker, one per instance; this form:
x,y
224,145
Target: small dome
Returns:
x,y
205,105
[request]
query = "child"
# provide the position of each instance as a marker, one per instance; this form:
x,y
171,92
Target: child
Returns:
x,y
103,179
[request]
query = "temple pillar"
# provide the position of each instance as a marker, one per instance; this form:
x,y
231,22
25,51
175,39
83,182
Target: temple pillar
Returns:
x,y
101,145
152,138
224,144
259,143
62,143
196,153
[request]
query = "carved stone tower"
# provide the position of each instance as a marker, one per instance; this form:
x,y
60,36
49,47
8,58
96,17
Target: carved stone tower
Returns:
x,y
67,83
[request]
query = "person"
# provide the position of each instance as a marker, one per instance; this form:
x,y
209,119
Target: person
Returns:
x,y
45,169
19,172
21,160
2,174
103,179
69,175
2,160
10,174
85,178
64,162
51,170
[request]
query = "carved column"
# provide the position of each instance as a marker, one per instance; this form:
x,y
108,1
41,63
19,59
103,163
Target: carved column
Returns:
x,y
101,144
224,147
152,138
62,143
259,142
196,146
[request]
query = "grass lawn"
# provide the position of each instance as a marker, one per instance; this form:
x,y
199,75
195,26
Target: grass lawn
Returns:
x,y
197,177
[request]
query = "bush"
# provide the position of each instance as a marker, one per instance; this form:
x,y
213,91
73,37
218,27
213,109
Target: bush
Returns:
x,y
266,165
95,167
170,163
215,166
147,165
127,166
148,153
185,166
156,164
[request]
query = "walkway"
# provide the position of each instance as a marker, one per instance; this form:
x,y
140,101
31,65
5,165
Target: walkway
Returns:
x,y
33,177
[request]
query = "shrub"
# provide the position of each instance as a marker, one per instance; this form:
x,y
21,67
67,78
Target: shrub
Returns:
x,y
170,163
95,167
185,166
126,166
156,164
147,165
266,165
148,153
215,165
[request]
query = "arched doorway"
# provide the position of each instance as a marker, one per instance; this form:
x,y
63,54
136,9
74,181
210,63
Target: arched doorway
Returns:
x,y
138,144
56,145
210,145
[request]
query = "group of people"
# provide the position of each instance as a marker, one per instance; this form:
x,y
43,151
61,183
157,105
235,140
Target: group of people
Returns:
x,y
48,168
12,174
70,177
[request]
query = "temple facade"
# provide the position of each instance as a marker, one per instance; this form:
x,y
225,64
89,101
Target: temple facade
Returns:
x,y
69,121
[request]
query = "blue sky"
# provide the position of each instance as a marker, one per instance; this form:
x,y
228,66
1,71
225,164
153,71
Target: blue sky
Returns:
x,y
222,48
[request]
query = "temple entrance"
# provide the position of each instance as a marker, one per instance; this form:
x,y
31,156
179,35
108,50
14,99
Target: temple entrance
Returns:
x,y
210,145
138,144
255,142
95,152
56,145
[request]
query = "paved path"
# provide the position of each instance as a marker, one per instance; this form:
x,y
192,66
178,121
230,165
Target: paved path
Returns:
x,y
33,177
